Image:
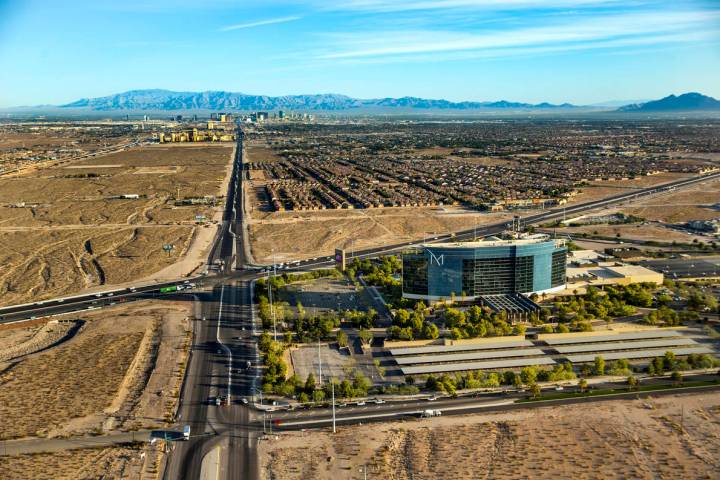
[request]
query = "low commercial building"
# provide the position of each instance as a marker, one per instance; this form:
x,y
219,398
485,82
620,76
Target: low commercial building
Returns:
x,y
610,273
467,271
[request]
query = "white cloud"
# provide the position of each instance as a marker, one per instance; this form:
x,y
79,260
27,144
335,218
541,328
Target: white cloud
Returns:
x,y
574,33
413,5
269,21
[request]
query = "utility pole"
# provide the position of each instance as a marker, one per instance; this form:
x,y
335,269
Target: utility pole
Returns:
x,y
270,298
319,364
332,386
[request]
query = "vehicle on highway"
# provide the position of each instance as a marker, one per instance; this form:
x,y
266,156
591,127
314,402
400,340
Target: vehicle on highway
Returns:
x,y
244,401
360,403
378,401
430,413
432,399
248,364
186,432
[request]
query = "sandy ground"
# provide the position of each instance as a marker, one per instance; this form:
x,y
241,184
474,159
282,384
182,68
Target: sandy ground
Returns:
x,y
677,207
603,189
122,368
87,464
322,232
693,203
655,232
676,437
71,235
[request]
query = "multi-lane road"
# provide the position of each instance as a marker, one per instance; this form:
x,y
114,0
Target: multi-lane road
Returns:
x,y
224,358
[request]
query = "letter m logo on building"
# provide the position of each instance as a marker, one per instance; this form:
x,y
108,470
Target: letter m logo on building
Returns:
x,y
438,260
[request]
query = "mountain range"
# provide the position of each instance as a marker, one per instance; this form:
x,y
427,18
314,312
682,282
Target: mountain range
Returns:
x,y
686,102
219,100
166,100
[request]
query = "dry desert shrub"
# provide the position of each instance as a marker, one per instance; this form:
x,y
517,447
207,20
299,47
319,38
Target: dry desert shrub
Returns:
x,y
71,381
85,464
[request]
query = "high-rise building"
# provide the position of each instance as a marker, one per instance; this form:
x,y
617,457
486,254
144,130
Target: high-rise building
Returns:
x,y
471,269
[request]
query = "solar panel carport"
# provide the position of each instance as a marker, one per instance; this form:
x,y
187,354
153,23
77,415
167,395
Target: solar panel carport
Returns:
x,y
458,348
456,357
637,354
611,338
602,347
460,367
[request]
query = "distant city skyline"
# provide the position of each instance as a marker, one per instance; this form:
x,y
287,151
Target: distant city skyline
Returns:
x,y
577,51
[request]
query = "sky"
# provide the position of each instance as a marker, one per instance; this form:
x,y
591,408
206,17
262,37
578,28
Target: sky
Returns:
x,y
577,51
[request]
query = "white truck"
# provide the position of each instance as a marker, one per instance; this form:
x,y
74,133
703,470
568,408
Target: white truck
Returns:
x,y
430,413
186,432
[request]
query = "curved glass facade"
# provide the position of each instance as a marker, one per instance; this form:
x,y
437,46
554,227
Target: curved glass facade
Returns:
x,y
484,268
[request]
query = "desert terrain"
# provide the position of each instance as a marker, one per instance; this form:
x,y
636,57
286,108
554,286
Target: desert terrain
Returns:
x,y
675,208
85,464
324,231
94,372
667,437
67,228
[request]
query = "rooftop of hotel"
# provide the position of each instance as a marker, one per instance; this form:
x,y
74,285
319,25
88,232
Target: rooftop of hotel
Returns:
x,y
496,242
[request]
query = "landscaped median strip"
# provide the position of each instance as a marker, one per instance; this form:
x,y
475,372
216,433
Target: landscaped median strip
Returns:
x,y
290,423
616,392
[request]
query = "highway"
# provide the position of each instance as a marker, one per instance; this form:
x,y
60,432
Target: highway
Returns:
x,y
475,403
224,344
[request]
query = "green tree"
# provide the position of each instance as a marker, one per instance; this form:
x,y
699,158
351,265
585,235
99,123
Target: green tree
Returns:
x,y
632,382
528,375
342,339
676,377
519,329
582,384
535,391
365,336
599,365
310,383
265,342
318,396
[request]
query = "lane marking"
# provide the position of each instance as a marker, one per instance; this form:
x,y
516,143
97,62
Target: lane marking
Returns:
x,y
225,347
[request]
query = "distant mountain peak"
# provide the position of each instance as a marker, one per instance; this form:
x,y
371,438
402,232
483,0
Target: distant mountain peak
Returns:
x,y
159,99
687,102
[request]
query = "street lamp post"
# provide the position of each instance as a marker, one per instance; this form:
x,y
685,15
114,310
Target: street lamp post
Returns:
x,y
332,386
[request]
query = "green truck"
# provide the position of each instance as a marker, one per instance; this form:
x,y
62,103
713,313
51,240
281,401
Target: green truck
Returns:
x,y
169,289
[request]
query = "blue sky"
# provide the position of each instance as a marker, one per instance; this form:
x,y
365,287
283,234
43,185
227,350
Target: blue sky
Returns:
x,y
579,51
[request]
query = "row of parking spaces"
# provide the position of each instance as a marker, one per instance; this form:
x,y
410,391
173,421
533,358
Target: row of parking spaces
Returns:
x,y
457,357
604,347
395,352
639,354
491,365
610,338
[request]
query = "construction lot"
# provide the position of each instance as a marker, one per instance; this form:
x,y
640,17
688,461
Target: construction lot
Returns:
x,y
105,220
120,368
667,437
